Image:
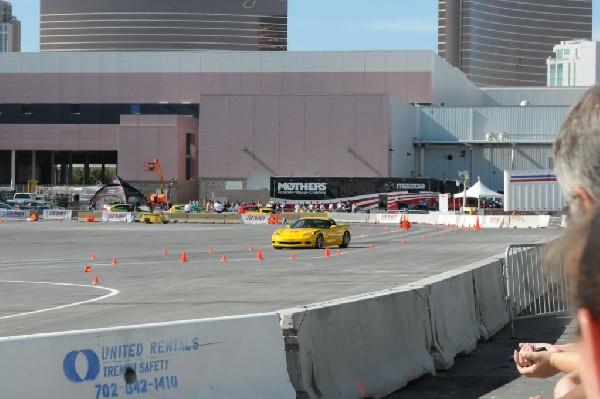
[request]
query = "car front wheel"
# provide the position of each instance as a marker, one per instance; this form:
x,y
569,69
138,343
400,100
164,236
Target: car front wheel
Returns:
x,y
319,242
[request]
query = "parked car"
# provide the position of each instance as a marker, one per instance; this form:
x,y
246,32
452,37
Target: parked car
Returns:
x,y
119,208
4,205
248,208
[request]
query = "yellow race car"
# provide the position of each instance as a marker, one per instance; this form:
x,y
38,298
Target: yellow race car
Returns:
x,y
312,232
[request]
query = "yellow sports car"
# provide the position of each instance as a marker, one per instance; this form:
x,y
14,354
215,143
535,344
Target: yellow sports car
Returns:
x,y
312,232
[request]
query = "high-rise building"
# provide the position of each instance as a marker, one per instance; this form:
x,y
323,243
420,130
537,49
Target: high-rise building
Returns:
x,y
576,63
507,42
10,29
163,25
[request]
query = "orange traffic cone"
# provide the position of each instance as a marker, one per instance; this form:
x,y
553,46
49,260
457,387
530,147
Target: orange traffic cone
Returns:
x,y
88,269
477,226
223,258
184,257
403,241
397,228
114,261
211,250
250,248
424,237
89,218
96,280
293,257
94,255
259,255
165,252
32,217
59,220
338,252
444,234
371,246
385,230
327,252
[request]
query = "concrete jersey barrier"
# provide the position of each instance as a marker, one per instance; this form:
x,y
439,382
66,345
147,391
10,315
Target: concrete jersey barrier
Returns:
x,y
229,357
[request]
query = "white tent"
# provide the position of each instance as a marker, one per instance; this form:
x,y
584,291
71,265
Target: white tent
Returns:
x,y
479,190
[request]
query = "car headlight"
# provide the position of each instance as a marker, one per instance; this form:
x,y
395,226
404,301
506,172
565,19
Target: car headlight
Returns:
x,y
276,233
308,233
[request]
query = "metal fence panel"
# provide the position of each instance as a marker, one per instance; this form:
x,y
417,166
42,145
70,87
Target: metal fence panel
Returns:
x,y
532,289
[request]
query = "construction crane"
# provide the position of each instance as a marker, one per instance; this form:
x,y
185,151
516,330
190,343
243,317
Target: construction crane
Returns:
x,y
156,199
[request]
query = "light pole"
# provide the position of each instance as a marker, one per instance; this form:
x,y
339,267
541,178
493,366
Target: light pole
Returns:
x,y
465,178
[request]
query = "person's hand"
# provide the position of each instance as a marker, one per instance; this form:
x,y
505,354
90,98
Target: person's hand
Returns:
x,y
533,347
535,364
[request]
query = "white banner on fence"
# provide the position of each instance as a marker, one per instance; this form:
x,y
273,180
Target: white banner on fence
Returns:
x,y
493,221
443,201
255,218
123,217
57,214
229,357
14,214
389,218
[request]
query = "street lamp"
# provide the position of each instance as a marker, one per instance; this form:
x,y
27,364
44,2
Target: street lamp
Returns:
x,y
465,177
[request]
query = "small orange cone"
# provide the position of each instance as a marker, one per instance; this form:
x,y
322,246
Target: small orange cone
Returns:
x,y
94,255
327,252
165,252
397,228
88,269
371,246
59,220
293,257
477,226
184,257
223,258
89,218
363,234
259,255
32,217
403,241
211,250
114,261
385,230
424,237
338,252
96,280
444,234
250,248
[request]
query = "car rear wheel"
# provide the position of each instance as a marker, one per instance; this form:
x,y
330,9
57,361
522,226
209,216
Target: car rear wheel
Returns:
x,y
345,240
319,242
147,221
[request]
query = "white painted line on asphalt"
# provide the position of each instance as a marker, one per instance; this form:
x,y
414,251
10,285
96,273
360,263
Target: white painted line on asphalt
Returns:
x,y
112,292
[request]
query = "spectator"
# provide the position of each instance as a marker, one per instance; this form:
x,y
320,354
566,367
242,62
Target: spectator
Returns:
x,y
218,207
297,207
577,166
330,208
187,207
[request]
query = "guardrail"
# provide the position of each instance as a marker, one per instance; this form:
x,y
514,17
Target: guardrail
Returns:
x,y
531,288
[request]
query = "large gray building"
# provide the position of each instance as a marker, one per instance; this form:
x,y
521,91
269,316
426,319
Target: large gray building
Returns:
x,y
507,42
163,25
10,29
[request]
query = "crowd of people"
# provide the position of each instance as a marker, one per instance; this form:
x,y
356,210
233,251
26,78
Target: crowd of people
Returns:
x,y
577,167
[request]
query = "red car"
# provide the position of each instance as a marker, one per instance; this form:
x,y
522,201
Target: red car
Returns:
x,y
248,208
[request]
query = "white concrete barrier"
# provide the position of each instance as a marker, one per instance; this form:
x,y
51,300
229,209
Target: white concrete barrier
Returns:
x,y
230,357
493,221
454,319
528,221
491,307
448,220
57,214
363,346
343,217
117,217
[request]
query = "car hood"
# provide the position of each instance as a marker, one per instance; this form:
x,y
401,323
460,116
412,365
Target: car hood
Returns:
x,y
296,232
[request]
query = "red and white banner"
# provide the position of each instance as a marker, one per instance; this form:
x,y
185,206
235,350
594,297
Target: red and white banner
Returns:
x,y
57,214
123,217
14,214
493,221
255,218
389,218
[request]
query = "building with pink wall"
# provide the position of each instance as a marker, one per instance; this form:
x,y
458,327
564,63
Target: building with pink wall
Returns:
x,y
218,116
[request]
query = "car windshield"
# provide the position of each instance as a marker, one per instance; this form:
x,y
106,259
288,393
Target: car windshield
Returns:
x,y
311,224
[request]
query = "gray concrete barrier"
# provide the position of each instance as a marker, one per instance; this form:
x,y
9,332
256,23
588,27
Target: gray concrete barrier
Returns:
x,y
363,346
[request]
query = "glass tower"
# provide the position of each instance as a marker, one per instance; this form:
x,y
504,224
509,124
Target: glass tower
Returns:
x,y
163,25
507,42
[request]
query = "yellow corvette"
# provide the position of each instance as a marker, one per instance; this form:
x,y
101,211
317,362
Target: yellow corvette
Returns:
x,y
312,232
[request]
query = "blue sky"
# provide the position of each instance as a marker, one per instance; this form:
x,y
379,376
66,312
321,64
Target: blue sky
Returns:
x,y
328,24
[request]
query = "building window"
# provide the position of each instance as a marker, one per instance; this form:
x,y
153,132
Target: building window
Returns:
x,y
559,75
26,109
569,74
135,109
75,109
566,51
559,53
552,77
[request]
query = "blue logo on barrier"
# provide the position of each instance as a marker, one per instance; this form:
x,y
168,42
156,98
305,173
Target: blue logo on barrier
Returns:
x,y
93,366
